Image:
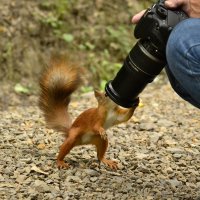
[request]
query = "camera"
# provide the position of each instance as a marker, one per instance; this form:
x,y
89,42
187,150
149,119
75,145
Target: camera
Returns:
x,y
147,58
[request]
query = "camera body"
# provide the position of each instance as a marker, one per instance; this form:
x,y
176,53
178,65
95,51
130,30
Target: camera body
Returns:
x,y
157,24
147,58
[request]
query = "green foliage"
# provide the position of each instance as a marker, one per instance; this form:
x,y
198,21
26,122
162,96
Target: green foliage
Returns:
x,y
52,21
54,18
21,89
93,32
86,89
120,39
106,44
68,37
7,54
59,7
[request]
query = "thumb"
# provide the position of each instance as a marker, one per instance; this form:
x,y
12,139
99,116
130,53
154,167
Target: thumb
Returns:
x,y
136,18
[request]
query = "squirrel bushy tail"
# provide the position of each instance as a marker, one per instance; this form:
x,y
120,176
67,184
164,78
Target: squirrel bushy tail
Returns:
x,y
60,79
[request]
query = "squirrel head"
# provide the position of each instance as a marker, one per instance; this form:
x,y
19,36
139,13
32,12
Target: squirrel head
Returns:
x,y
104,100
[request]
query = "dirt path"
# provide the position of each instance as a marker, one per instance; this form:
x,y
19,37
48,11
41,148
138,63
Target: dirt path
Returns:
x,y
158,152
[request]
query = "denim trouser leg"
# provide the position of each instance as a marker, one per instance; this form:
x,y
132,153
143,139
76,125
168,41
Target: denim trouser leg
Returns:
x,y
183,57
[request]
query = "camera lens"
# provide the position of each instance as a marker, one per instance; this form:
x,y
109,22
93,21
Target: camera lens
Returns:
x,y
140,67
147,58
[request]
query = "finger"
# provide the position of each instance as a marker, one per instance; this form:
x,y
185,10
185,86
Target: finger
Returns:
x,y
173,3
184,4
136,18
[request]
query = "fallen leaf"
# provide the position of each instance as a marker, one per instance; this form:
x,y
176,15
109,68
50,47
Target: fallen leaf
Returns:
x,y
36,169
21,89
41,146
74,104
141,105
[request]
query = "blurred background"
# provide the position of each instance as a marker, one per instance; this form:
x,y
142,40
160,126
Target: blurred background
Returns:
x,y
96,34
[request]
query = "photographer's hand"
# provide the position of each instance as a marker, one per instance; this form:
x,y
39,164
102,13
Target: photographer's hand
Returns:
x,y
136,18
191,7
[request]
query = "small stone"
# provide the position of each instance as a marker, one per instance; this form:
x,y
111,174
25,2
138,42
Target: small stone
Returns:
x,y
1,178
141,155
182,163
139,181
198,184
191,185
91,172
55,176
74,179
21,178
175,150
98,190
176,155
41,186
165,123
154,137
169,170
143,169
93,179
149,197
147,126
174,182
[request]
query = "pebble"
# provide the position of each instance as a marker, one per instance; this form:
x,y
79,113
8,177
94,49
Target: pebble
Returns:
x,y
147,126
174,183
91,172
41,186
165,123
73,179
155,160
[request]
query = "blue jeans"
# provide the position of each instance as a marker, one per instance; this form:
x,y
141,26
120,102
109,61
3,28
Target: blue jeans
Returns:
x,y
183,58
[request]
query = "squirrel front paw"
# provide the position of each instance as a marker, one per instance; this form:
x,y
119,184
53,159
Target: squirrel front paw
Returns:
x,y
62,165
100,131
103,134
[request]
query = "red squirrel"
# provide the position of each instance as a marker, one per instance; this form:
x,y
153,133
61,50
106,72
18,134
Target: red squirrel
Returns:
x,y
58,82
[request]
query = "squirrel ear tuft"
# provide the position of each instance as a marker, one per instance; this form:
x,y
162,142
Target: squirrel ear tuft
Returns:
x,y
98,95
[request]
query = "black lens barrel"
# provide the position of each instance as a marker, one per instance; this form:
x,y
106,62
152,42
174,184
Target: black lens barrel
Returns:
x,y
139,68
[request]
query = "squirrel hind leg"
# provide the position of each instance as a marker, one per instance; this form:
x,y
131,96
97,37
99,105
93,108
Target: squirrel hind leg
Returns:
x,y
101,146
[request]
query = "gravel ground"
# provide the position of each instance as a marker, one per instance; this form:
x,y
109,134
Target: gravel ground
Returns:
x,y
158,152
